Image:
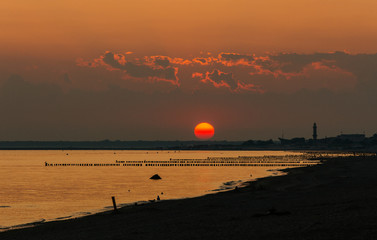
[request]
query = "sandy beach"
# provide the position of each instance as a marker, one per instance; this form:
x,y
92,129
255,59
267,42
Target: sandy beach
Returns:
x,y
334,200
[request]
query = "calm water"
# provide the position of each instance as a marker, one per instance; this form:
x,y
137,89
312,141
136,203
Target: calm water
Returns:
x,y
31,192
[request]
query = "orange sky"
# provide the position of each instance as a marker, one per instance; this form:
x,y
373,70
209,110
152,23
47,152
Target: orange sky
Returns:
x,y
70,28
251,68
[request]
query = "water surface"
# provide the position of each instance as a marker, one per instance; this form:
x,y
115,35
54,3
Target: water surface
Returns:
x,y
31,192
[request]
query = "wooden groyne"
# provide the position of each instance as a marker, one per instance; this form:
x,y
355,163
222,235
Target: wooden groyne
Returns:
x,y
241,161
88,164
181,165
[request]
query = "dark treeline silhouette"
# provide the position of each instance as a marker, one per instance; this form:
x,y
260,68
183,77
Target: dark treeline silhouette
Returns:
x,y
340,142
108,144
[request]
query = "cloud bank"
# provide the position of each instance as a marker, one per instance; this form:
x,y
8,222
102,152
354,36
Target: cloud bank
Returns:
x,y
46,112
284,73
130,97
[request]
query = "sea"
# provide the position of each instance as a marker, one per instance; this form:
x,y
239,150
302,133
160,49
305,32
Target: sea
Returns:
x,y
32,193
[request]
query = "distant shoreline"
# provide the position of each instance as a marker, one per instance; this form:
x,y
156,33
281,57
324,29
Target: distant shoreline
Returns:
x,y
177,146
173,149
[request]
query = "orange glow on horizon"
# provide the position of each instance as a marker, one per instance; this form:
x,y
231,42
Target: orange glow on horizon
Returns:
x,y
204,131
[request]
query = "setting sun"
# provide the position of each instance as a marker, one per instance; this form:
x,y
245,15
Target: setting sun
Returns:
x,y
204,131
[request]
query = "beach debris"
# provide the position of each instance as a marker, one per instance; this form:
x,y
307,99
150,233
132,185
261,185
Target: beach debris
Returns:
x,y
272,211
155,177
152,200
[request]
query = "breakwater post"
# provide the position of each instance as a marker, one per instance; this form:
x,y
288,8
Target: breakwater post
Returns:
x,y
114,204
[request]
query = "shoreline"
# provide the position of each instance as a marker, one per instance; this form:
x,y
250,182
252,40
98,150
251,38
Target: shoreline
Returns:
x,y
105,210
222,186
326,201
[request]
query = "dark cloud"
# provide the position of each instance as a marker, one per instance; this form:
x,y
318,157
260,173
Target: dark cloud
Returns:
x,y
236,57
337,90
162,62
109,59
356,63
363,66
221,77
141,70
285,72
202,60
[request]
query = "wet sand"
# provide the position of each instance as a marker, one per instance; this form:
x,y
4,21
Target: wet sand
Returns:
x,y
335,200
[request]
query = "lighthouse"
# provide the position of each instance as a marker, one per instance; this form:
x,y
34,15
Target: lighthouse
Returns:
x,y
315,132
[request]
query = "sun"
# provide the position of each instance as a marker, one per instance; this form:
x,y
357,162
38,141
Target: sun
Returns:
x,y
204,131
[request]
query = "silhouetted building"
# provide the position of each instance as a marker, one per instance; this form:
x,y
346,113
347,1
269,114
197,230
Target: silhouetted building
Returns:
x,y
314,131
351,137
293,141
374,137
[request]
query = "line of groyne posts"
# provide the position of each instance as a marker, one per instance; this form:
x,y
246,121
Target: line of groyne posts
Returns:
x,y
186,164
240,161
